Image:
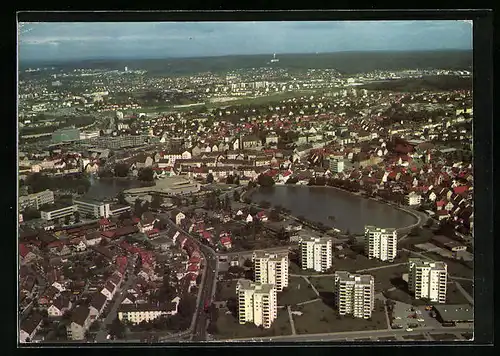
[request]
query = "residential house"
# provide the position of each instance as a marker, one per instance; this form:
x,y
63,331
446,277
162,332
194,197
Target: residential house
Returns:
x,y
79,324
29,328
178,216
109,290
97,305
59,306
147,222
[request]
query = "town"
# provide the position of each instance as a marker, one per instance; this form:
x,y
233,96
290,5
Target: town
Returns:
x,y
142,222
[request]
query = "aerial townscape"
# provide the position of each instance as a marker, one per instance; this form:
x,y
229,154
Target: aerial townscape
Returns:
x,y
271,197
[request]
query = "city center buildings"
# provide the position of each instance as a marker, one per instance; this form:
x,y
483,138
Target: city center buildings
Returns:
x,y
271,268
354,294
381,243
257,303
315,253
427,280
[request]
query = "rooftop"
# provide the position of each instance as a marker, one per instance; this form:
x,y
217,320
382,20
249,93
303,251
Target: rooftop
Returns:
x,y
457,312
246,284
345,276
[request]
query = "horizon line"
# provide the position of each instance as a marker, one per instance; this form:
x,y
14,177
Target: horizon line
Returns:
x,y
59,60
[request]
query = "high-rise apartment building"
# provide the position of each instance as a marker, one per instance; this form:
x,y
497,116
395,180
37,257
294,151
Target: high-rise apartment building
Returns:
x,y
354,294
271,268
315,253
257,303
381,243
427,279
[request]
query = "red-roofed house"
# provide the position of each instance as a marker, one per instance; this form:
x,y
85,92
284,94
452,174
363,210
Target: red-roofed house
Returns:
x,y
262,216
460,189
226,241
26,254
440,204
121,262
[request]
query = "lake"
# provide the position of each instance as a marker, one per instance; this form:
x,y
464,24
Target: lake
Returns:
x,y
108,188
351,212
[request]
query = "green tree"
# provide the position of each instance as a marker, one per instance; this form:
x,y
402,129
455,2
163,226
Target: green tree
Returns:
x,y
210,178
156,202
146,175
265,180
121,198
77,216
121,169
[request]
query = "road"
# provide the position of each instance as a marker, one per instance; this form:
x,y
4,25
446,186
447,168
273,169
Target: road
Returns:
x,y
199,331
112,314
356,334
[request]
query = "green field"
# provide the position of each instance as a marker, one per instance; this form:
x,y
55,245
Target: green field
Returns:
x,y
298,291
229,328
320,318
225,290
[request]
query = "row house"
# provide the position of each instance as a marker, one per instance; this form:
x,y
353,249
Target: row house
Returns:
x,y
60,306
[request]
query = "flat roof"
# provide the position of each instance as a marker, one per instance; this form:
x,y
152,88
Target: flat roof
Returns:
x,y
455,312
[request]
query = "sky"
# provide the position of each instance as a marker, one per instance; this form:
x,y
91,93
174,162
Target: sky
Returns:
x,y
88,40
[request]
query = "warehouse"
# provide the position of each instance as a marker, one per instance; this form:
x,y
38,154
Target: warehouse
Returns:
x,y
452,314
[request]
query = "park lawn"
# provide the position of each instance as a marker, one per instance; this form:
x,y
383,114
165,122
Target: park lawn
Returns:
x,y
414,337
229,328
384,277
444,337
294,268
388,338
323,284
455,268
468,336
468,286
403,296
298,291
225,290
355,260
320,318
454,295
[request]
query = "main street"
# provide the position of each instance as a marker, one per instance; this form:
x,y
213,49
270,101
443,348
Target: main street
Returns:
x,y
112,314
199,331
342,336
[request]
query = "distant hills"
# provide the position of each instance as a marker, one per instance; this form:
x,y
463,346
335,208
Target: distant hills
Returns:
x,y
344,62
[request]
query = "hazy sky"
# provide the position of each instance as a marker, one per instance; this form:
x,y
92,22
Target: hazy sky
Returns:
x,y
190,39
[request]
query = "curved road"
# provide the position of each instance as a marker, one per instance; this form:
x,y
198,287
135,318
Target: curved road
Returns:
x,y
207,286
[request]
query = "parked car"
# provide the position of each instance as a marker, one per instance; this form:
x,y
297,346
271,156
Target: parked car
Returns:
x,y
409,329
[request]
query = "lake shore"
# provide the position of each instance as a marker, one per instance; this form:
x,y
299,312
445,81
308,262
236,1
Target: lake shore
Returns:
x,y
417,218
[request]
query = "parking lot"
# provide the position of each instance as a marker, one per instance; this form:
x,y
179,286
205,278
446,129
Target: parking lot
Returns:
x,y
406,318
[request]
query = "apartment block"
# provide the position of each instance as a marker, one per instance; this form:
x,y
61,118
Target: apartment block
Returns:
x,y
427,279
354,294
381,243
336,165
58,211
413,199
315,253
257,303
36,200
271,268
92,208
